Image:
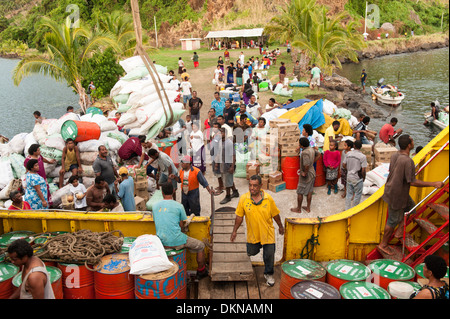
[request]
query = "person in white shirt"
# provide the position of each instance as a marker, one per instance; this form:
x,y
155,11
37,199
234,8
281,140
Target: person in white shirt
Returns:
x,y
228,129
186,91
242,58
78,191
197,146
175,81
253,108
272,105
259,133
218,74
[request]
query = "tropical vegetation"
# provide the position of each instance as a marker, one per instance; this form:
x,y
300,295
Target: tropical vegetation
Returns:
x,y
67,57
323,40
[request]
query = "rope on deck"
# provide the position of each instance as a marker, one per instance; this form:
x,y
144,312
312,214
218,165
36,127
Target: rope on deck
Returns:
x,y
82,246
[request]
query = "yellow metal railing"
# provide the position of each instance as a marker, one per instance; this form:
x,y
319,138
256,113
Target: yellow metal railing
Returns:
x,y
353,233
131,224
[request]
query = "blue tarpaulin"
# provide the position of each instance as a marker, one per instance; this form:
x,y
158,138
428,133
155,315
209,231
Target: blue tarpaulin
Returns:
x,y
314,116
295,104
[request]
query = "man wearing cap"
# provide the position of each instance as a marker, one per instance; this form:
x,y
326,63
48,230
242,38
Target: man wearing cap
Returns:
x,y
191,178
125,191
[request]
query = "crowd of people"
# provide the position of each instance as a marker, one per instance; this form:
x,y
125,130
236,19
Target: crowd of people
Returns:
x,y
228,128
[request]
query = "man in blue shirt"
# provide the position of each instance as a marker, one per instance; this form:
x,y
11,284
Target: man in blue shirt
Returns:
x,y
126,190
168,216
218,104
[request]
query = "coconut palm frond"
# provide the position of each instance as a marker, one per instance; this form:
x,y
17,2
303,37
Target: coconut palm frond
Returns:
x,y
37,65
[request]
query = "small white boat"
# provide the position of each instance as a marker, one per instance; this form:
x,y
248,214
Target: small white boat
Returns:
x,y
387,95
432,121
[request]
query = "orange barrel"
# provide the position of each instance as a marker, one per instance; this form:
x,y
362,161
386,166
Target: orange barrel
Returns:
x,y
296,270
179,256
342,271
78,281
386,271
113,279
160,285
7,273
419,271
320,173
310,289
80,131
55,278
290,167
363,290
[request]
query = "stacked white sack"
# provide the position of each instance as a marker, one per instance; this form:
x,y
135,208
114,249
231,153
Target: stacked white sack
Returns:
x,y
139,102
48,136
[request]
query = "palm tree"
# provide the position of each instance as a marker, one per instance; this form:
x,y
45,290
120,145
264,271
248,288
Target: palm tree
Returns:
x,y
121,25
68,51
323,40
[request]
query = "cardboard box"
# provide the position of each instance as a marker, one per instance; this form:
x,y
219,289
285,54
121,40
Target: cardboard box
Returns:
x,y
384,154
275,122
140,203
275,177
366,149
141,184
293,140
288,127
278,187
142,193
266,170
289,145
289,152
265,183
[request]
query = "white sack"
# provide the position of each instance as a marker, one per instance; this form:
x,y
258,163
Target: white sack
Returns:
x,y
147,255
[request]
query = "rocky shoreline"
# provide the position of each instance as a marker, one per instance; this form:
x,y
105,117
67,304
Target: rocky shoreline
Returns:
x,y
381,48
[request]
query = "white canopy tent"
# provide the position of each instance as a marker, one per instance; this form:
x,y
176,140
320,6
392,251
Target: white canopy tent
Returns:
x,y
236,34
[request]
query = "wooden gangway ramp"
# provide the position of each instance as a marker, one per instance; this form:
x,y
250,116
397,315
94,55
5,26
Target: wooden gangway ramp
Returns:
x,y
228,260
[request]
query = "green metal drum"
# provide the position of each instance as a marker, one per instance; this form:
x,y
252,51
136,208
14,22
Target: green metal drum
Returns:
x,y
363,290
8,238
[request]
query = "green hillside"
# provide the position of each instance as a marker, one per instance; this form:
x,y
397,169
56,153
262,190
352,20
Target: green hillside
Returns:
x,y
20,27
406,15
18,18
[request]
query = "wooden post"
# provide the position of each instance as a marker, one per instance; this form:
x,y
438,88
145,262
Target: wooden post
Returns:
x,y
148,62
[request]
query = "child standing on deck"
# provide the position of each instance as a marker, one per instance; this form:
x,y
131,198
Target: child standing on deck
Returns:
x,y
332,162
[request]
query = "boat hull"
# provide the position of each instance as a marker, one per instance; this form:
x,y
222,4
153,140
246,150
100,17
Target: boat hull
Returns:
x,y
393,101
436,123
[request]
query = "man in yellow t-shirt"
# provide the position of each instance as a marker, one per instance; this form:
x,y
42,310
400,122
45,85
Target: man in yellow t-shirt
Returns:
x,y
330,134
259,209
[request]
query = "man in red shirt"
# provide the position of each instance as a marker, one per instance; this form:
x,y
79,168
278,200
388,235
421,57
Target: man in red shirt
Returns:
x,y
388,134
133,147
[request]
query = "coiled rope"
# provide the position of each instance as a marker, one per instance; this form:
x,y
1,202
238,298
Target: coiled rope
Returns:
x,y
83,246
